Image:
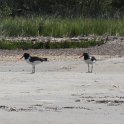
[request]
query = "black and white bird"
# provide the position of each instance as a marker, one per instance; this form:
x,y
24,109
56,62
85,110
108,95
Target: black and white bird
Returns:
x,y
90,60
33,60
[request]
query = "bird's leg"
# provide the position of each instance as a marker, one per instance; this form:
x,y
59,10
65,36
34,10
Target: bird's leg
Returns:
x,y
92,68
33,68
88,68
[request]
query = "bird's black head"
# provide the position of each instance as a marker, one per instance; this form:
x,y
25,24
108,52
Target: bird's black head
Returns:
x,y
25,55
86,56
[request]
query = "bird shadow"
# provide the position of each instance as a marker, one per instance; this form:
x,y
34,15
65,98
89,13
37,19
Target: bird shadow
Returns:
x,y
28,73
89,72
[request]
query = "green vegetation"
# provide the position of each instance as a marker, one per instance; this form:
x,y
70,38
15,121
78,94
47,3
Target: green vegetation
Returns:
x,y
60,27
59,18
47,45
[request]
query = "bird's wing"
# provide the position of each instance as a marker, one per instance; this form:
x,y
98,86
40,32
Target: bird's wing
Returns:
x,y
93,58
32,59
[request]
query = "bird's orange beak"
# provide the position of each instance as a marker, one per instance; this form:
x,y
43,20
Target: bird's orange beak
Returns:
x,y
81,56
21,57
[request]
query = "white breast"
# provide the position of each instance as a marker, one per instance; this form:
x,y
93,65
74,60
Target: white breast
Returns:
x,y
89,61
27,60
35,62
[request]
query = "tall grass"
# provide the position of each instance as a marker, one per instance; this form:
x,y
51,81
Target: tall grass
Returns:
x,y
59,27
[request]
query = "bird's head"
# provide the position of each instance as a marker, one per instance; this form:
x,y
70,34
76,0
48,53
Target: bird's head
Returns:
x,y
83,54
25,55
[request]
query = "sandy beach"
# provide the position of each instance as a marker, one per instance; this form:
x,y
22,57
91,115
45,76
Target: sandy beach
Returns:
x,y
61,91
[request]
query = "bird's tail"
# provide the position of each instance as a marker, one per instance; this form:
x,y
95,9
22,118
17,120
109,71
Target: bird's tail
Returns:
x,y
45,59
93,58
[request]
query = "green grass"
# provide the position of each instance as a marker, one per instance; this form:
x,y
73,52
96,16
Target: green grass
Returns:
x,y
47,45
59,27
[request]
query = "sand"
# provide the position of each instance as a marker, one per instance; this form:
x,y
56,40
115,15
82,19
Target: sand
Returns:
x,y
61,91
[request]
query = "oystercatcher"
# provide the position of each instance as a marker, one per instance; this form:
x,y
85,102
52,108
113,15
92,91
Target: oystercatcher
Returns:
x,y
90,60
33,60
